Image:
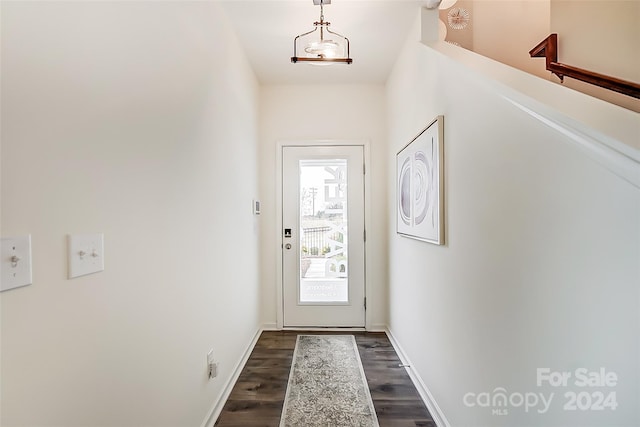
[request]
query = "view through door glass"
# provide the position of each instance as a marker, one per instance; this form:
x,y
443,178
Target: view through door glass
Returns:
x,y
324,234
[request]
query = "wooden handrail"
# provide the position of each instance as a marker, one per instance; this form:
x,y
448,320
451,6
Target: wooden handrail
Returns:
x,y
548,49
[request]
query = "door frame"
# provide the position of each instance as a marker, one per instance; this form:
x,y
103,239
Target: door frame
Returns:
x,y
279,217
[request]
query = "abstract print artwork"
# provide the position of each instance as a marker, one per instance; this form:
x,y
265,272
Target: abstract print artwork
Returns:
x,y
420,204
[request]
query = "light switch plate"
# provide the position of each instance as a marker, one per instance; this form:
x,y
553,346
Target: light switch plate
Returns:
x,y
86,254
15,262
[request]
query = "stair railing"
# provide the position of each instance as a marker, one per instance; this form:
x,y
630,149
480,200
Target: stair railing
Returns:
x,y
548,48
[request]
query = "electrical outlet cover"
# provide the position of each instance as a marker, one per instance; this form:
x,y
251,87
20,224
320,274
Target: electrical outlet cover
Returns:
x,y
214,370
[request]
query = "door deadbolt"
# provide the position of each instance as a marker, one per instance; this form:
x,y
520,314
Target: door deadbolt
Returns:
x,y
287,246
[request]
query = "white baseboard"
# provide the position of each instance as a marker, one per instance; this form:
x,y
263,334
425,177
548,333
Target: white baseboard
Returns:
x,y
377,327
215,411
425,394
313,329
270,327
373,328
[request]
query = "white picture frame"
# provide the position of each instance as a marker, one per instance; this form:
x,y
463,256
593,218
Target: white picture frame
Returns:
x,y
420,185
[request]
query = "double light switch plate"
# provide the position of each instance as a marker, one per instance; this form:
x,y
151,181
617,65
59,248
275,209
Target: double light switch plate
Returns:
x,y
86,254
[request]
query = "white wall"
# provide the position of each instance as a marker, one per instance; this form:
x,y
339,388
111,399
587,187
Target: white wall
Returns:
x,y
507,30
138,120
541,262
308,113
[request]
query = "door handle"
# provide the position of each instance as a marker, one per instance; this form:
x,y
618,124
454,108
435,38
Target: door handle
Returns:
x,y
287,246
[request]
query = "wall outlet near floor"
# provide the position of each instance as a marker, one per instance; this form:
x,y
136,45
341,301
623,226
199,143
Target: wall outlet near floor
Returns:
x,y
212,365
213,370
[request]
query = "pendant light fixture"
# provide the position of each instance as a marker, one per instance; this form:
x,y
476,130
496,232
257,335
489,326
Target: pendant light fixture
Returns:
x,y
321,46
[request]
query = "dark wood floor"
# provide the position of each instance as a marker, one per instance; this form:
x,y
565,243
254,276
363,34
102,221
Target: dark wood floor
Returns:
x,y
257,398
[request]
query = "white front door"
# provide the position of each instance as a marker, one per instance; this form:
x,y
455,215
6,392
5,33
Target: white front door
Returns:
x,y
323,236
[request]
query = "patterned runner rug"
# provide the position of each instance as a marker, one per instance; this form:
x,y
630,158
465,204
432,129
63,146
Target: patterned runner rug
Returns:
x,y
327,386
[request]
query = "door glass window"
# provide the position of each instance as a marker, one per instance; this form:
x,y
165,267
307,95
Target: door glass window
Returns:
x,y
324,263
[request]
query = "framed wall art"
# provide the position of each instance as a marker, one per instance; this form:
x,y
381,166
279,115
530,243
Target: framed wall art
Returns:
x,y
420,185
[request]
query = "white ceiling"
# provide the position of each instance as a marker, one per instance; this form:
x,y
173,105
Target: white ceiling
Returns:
x,y
376,30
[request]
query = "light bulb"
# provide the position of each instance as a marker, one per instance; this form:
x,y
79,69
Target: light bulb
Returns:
x,y
322,49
